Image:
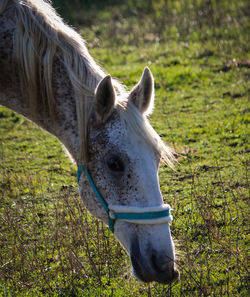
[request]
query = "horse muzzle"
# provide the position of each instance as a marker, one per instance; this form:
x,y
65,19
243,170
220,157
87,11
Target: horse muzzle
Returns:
x,y
152,265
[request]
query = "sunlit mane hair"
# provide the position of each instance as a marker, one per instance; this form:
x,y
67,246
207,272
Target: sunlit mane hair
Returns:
x,y
40,38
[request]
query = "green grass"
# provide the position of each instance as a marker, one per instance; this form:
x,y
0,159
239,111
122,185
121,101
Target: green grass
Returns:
x,y
51,246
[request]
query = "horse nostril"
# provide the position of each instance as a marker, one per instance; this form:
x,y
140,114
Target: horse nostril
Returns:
x,y
158,267
164,267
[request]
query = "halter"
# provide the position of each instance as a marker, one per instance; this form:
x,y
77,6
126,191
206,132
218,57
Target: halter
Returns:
x,y
133,214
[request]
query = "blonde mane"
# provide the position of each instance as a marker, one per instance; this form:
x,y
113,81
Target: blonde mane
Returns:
x,y
40,38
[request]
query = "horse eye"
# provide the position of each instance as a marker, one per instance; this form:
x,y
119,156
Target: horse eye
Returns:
x,y
115,164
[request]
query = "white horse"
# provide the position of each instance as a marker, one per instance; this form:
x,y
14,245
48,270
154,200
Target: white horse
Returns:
x,y
48,76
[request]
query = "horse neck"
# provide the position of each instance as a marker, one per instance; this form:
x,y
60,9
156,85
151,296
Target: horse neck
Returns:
x,y
64,123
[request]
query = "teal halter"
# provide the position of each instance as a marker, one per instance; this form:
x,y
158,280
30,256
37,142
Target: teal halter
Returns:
x,y
140,215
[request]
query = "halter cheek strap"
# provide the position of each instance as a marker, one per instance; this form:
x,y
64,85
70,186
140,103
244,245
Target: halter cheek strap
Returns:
x,y
138,215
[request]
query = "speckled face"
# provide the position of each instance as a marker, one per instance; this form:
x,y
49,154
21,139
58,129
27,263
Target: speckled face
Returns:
x,y
124,169
122,165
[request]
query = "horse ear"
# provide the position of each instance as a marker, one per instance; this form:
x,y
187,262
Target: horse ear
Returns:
x,y
142,95
104,98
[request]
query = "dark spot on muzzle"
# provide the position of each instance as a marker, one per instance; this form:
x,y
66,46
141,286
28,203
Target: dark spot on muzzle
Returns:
x,y
152,266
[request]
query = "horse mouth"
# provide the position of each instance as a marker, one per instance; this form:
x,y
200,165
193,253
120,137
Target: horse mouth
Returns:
x,y
152,268
147,275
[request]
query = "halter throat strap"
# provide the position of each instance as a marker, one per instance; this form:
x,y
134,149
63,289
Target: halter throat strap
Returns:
x,y
139,215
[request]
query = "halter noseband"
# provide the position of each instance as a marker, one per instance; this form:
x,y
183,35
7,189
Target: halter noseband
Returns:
x,y
139,215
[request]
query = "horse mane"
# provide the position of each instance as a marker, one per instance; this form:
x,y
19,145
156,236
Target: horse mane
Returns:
x,y
42,36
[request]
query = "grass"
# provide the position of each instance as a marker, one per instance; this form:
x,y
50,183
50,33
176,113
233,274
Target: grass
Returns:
x,y
51,246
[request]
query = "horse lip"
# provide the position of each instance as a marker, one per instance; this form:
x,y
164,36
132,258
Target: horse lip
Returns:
x,y
139,266
147,272
147,277
138,270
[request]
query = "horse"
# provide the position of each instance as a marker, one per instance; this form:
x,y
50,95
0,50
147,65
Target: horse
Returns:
x,y
49,77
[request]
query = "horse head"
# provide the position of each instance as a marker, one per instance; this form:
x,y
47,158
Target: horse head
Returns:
x,y
124,155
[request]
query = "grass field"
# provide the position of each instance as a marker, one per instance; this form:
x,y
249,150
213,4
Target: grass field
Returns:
x,y
51,246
